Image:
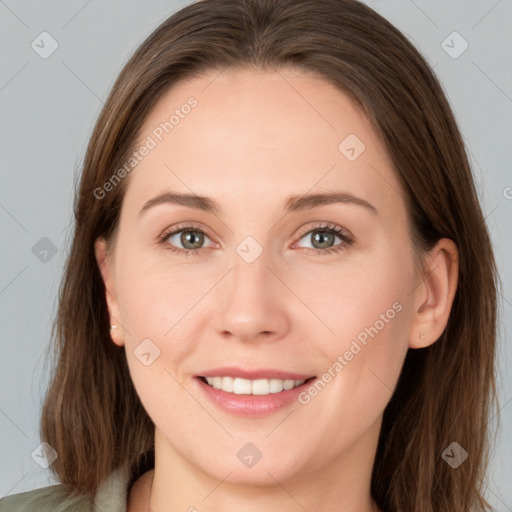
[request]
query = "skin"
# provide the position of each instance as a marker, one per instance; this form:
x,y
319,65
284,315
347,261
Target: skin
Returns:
x,y
252,141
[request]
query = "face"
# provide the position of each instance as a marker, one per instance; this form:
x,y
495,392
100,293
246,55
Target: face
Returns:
x,y
263,282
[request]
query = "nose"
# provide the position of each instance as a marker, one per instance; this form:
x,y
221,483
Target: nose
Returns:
x,y
253,302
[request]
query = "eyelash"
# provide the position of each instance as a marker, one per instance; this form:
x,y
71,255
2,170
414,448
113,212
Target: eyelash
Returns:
x,y
347,240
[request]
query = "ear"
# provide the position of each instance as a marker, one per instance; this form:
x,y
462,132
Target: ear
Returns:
x,y
433,298
107,273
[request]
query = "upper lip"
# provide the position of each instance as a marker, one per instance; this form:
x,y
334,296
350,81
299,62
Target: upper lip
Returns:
x,y
253,374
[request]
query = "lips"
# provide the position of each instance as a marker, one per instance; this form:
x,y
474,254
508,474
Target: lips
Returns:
x,y
239,402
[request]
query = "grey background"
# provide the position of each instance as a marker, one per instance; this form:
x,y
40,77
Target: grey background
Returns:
x,y
49,106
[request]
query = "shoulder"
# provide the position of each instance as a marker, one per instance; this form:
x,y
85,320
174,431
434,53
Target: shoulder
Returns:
x,y
110,496
56,498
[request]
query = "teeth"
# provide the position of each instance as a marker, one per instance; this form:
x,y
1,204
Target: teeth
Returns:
x,y
252,387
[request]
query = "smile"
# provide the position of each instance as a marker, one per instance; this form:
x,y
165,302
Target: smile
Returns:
x,y
240,386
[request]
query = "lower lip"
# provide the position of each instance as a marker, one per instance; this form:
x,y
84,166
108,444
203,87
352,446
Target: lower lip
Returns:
x,y
252,405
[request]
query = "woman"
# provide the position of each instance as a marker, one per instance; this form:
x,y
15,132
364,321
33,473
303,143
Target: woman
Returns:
x,y
207,358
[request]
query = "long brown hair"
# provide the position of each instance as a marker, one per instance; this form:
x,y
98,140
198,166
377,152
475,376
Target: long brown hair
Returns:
x,y
92,415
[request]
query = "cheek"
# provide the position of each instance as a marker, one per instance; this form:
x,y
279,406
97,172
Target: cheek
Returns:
x,y
355,297
362,362
367,308
153,295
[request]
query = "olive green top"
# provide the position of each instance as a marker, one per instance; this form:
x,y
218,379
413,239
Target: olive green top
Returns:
x,y
110,497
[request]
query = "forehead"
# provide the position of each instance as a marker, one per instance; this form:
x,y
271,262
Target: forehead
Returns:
x,y
246,135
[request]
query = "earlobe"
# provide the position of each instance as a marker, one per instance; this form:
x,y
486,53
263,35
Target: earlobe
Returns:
x,y
106,271
433,299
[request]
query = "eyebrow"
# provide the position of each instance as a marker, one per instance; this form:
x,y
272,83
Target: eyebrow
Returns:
x,y
292,204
